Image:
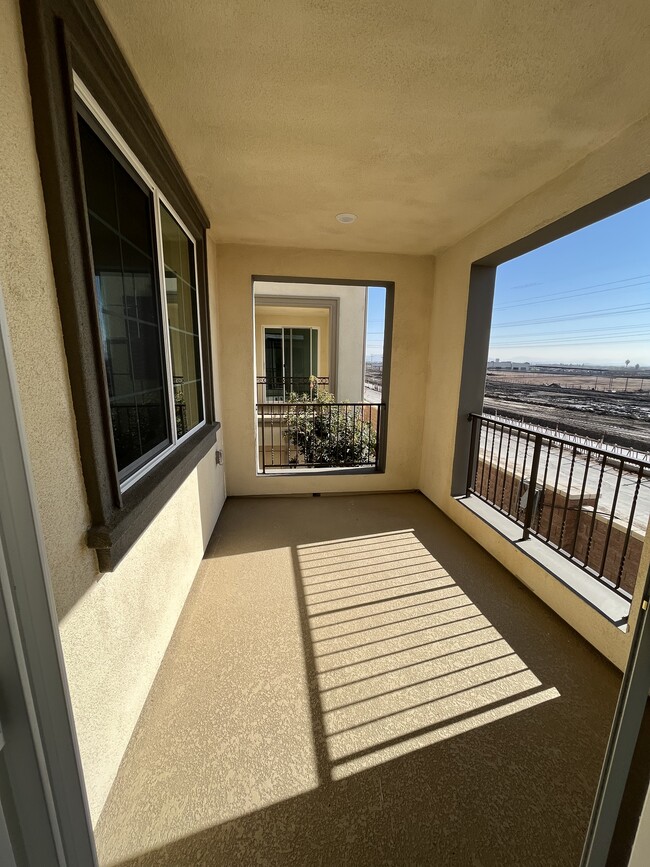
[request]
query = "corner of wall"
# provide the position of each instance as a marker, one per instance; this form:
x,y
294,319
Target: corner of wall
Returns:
x,y
616,164
429,408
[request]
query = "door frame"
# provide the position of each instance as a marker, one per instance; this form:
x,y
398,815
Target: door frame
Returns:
x,y
285,375
44,800
307,301
630,708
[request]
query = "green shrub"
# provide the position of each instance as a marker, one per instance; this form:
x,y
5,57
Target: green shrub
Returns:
x,y
328,434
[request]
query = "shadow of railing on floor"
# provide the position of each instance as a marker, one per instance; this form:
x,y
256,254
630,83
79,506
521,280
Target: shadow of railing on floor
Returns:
x,y
383,684
412,704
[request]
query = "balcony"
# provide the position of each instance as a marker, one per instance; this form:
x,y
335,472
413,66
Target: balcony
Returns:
x,y
302,427
587,504
339,689
190,269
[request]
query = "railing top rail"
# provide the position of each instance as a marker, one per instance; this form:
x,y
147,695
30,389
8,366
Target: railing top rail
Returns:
x,y
565,440
262,379
308,403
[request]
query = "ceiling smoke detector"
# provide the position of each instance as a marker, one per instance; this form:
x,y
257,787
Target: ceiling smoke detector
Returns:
x,y
346,218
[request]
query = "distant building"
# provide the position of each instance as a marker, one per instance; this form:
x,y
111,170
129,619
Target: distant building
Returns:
x,y
508,365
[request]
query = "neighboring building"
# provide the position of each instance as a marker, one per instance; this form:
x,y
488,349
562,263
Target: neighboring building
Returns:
x,y
304,331
508,365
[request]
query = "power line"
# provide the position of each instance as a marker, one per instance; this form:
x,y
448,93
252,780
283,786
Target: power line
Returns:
x,y
585,342
606,311
586,290
570,296
577,334
600,334
517,338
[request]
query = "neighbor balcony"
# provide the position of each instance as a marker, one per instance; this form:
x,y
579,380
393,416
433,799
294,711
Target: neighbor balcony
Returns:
x,y
302,427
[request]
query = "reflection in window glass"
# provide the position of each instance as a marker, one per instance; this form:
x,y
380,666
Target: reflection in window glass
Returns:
x,y
121,233
182,311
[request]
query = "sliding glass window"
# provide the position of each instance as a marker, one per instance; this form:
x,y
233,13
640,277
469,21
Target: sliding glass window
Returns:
x,y
153,372
183,318
120,219
290,359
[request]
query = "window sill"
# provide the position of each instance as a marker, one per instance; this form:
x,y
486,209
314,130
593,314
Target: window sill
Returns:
x,y
142,502
612,606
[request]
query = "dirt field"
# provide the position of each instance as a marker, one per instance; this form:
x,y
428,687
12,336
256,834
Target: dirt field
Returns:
x,y
572,403
606,381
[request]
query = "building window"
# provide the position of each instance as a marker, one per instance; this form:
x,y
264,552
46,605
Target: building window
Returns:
x,y
153,370
290,358
128,244
321,391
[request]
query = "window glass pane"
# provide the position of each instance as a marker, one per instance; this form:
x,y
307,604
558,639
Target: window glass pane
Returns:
x,y
134,211
273,362
99,182
183,317
300,358
288,360
314,352
120,220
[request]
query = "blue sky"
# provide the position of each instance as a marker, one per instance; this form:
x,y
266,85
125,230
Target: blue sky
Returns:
x,y
582,299
375,323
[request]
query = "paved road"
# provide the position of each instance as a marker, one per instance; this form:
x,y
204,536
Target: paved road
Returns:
x,y
624,499
370,395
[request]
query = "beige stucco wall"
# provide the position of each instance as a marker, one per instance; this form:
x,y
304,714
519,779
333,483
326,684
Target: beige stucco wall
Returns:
x,y
619,162
269,317
350,325
413,277
114,628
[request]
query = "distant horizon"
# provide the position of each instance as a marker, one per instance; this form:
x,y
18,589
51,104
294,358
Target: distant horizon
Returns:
x,y
555,363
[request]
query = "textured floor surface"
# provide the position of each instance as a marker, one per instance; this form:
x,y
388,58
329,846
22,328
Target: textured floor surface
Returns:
x,y
353,681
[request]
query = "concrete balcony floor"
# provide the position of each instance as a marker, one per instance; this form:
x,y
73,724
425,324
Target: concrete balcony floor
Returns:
x,y
354,681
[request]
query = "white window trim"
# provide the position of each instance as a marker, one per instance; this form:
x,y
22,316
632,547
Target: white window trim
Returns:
x,y
159,199
284,328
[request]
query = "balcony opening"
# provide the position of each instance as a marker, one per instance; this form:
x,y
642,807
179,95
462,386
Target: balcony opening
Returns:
x,y
321,375
559,446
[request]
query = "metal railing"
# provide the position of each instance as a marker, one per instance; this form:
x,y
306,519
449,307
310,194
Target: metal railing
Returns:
x,y
276,389
579,439
319,435
589,504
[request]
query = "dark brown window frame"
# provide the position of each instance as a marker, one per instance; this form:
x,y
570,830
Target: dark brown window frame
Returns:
x,y
62,35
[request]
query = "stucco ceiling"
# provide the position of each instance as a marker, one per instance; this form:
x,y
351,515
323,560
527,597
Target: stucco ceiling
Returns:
x,y
424,117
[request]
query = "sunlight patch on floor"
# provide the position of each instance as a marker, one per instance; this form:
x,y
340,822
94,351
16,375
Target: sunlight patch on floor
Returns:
x,y
403,657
